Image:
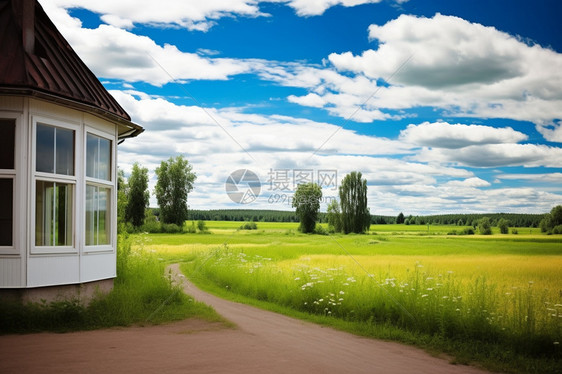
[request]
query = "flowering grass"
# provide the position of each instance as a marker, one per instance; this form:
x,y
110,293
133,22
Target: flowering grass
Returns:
x,y
500,295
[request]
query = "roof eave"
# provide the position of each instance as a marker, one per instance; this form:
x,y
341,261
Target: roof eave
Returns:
x,y
131,129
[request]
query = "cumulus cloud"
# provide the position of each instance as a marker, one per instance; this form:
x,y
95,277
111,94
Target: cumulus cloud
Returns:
x,y
464,68
453,136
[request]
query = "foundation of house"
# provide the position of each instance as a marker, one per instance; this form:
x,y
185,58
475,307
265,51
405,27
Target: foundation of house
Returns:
x,y
84,292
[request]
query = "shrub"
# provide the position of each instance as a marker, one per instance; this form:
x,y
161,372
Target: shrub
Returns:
x,y
171,228
320,230
484,226
248,226
151,227
191,229
557,230
202,226
468,231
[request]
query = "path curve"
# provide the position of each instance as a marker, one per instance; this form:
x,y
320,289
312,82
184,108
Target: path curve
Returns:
x,y
296,346
263,342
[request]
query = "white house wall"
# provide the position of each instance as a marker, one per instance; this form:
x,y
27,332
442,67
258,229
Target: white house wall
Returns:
x,y
26,265
13,260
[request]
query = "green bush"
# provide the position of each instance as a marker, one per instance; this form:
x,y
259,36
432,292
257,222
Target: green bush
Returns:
x,y
171,228
152,227
320,230
248,226
202,226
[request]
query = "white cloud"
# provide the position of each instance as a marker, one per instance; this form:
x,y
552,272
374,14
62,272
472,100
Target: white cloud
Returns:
x,y
539,177
462,67
445,135
552,131
318,7
470,182
496,155
193,15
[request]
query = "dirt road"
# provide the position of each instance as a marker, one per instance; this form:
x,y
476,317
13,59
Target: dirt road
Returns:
x,y
263,342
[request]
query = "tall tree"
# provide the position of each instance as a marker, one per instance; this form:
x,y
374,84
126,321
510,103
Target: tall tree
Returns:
x,y
307,201
175,182
122,199
400,218
353,199
138,195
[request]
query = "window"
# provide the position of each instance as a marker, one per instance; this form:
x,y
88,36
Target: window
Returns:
x,y
53,214
55,150
54,185
98,190
97,215
98,157
7,178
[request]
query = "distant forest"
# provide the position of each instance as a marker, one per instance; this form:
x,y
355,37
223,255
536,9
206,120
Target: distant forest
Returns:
x,y
249,215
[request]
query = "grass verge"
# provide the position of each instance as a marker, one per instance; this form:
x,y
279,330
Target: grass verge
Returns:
x,y
143,295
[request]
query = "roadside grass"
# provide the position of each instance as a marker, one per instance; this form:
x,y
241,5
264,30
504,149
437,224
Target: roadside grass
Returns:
x,y
495,300
142,295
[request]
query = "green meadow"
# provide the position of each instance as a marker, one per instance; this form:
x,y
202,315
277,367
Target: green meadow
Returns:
x,y
494,299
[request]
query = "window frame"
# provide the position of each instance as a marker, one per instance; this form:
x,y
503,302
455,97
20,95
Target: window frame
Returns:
x,y
14,175
101,183
72,180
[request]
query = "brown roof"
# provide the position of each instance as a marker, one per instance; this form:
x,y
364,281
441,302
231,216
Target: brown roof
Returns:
x,y
36,60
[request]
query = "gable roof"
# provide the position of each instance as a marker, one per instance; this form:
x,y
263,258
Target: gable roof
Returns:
x,y
37,61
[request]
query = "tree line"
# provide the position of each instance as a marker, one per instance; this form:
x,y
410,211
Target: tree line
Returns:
x,y
471,219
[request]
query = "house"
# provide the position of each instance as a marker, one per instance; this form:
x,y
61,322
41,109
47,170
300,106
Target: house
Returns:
x,y
59,130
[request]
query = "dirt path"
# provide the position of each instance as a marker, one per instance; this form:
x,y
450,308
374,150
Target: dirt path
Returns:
x,y
263,342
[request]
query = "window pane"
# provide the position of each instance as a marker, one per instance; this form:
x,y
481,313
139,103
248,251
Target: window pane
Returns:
x,y
45,149
105,159
97,215
91,155
7,143
53,214
64,147
98,157
6,211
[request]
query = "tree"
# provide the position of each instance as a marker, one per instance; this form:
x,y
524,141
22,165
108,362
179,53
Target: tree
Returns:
x,y
334,216
122,190
355,215
400,218
138,195
484,226
552,220
503,225
175,182
307,202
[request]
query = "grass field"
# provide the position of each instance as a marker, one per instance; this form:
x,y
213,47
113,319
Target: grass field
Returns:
x,y
495,299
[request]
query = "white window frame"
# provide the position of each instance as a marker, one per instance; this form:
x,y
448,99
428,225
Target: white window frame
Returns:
x,y
73,180
14,175
109,184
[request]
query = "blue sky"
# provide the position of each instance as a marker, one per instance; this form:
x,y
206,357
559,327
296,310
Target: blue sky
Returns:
x,y
444,106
